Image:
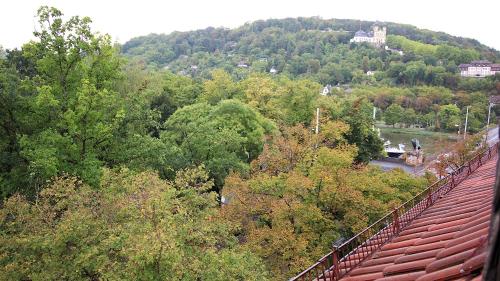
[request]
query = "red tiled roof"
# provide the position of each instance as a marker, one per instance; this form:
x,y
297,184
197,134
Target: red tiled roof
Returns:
x,y
447,241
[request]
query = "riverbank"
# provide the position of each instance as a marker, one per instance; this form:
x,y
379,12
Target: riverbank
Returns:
x,y
432,143
439,142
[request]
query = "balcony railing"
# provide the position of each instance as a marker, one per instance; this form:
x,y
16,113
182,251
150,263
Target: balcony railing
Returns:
x,y
341,260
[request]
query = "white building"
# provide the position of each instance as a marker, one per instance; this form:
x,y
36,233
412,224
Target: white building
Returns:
x,y
401,53
242,64
326,90
479,68
376,37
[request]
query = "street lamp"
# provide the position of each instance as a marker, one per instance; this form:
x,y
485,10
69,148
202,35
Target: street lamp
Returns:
x,y
488,123
466,119
489,114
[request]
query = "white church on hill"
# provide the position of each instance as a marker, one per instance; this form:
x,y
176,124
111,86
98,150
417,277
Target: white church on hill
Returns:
x,y
376,37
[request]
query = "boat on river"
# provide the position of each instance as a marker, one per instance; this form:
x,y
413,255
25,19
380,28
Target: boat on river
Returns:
x,y
394,152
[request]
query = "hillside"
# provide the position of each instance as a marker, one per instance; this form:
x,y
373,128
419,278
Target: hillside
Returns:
x,y
111,170
312,48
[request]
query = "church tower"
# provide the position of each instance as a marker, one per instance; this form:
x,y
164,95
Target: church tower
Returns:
x,y
379,35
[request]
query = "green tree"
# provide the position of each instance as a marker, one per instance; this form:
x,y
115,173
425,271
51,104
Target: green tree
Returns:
x,y
224,137
13,108
358,115
134,227
177,91
71,109
393,114
220,87
298,101
449,116
409,117
262,93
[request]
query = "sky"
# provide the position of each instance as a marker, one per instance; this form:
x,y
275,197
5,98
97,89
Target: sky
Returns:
x,y
127,19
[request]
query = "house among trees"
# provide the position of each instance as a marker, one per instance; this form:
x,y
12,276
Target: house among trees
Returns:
x,y
242,64
479,68
400,52
375,37
326,90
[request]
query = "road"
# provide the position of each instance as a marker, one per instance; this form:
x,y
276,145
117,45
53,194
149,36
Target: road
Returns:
x,y
492,136
386,165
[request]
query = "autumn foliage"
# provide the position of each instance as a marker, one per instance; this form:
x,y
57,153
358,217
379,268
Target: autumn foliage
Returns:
x,y
303,193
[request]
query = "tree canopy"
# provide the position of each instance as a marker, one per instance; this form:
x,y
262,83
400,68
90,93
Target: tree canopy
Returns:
x,y
216,154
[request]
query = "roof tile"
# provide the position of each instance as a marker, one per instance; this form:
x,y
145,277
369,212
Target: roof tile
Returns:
x,y
418,256
454,247
403,277
407,267
446,242
444,274
450,260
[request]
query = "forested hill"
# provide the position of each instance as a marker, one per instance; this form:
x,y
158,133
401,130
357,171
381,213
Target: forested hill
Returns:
x,y
110,170
312,47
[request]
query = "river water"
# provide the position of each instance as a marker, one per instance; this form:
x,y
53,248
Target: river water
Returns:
x,y
432,145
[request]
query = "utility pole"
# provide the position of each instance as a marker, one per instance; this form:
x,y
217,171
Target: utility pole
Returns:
x,y
488,123
466,119
489,114
374,116
317,120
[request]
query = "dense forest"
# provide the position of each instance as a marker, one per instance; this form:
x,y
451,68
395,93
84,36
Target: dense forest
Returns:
x,y
420,86
126,163
312,48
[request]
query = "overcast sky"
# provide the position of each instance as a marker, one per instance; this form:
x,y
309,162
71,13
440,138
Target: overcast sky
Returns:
x,y
126,19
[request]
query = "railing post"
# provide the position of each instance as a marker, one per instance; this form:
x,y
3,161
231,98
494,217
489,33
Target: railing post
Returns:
x,y
335,260
395,222
452,179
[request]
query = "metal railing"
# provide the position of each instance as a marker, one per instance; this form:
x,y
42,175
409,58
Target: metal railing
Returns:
x,y
341,260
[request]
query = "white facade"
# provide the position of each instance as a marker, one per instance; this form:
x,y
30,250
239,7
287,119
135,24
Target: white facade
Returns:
x,y
326,90
481,68
401,53
379,35
376,37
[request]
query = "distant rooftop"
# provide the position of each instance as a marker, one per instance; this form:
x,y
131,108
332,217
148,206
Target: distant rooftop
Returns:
x,y
480,62
476,63
361,33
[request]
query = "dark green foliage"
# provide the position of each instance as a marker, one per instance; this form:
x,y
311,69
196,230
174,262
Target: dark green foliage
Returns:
x,y
394,114
61,112
224,138
314,48
86,134
358,114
